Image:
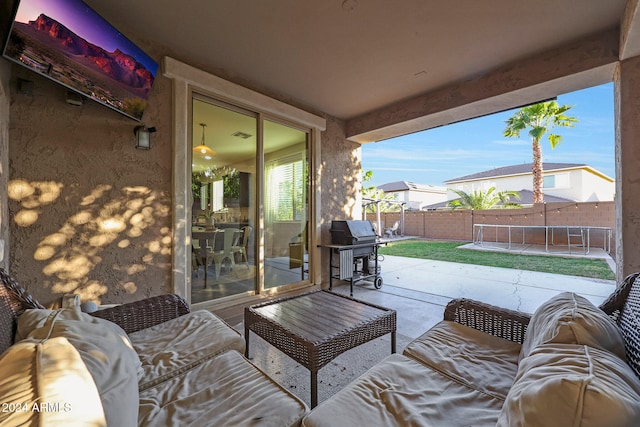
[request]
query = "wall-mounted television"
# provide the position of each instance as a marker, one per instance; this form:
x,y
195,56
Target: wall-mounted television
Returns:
x,y
68,42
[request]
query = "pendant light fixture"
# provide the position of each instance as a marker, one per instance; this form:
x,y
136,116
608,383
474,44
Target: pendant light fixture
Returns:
x,y
203,149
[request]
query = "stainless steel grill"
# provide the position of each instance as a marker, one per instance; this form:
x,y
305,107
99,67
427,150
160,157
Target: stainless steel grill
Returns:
x,y
356,244
354,232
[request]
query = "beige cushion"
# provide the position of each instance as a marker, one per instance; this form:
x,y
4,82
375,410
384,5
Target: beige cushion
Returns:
x,y
481,361
224,391
571,319
105,349
399,391
46,383
170,348
572,385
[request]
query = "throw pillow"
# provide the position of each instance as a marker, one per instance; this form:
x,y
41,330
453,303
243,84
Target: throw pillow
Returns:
x,y
46,383
105,349
572,319
572,385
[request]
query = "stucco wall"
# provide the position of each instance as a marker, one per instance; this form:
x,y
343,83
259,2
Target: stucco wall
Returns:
x,y
595,188
89,213
341,184
418,199
627,110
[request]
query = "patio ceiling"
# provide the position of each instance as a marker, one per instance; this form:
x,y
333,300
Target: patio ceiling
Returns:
x,y
349,58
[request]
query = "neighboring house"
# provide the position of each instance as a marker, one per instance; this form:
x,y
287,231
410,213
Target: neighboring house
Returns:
x,y
569,181
416,196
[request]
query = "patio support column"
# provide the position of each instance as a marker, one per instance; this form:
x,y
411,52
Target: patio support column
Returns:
x,y
627,159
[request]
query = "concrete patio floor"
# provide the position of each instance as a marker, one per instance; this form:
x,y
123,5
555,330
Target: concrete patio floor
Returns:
x,y
419,289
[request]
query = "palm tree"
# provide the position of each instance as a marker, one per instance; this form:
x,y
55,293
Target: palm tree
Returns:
x,y
480,200
540,119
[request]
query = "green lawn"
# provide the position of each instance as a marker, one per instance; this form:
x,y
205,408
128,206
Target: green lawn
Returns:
x,y
448,251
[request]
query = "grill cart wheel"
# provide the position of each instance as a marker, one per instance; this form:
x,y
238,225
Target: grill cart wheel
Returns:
x,y
377,283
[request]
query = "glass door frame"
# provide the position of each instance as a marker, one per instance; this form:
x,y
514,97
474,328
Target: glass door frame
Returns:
x,y
188,81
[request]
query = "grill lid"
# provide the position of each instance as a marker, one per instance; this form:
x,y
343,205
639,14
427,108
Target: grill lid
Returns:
x,y
354,230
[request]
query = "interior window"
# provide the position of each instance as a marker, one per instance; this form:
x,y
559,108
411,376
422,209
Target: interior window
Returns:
x,y
286,189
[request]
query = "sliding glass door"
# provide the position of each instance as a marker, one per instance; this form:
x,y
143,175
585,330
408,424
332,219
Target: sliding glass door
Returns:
x,y
242,161
286,204
223,181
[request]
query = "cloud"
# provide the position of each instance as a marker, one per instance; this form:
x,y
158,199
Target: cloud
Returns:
x,y
389,153
394,159
511,142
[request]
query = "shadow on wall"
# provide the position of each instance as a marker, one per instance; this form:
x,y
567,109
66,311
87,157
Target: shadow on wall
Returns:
x,y
103,222
342,166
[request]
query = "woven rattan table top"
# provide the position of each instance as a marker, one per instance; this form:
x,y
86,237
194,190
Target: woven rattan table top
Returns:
x,y
316,327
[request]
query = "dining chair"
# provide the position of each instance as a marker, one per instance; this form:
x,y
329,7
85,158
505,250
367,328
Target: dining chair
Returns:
x,y
226,253
240,247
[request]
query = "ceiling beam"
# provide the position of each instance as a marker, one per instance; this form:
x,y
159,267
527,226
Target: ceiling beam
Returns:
x,y
584,63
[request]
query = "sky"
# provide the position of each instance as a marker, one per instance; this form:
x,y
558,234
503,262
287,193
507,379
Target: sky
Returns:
x,y
437,155
86,23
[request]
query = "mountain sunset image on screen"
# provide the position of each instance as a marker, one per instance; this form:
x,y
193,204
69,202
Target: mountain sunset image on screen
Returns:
x,y
68,42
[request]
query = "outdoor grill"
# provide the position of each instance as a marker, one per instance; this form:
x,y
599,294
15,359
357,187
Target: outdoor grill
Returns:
x,y
354,232
356,243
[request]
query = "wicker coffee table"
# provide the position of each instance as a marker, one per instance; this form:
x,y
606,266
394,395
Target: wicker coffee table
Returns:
x,y
315,328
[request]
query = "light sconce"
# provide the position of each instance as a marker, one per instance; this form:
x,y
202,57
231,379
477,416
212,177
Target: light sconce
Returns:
x,y
143,137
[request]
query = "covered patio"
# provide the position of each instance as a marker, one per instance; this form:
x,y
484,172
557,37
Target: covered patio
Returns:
x,y
84,214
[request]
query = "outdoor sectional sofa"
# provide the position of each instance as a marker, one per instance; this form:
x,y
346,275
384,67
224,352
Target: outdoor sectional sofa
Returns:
x,y
148,363
568,364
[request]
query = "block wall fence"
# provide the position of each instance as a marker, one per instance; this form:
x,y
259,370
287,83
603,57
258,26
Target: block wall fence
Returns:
x,y
459,224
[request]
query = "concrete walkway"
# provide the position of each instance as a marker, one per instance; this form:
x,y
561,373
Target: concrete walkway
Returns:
x,y
419,289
